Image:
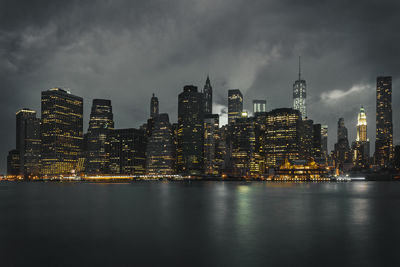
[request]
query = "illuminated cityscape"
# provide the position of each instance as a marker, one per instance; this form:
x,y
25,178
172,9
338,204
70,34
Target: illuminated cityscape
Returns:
x,y
199,133
280,144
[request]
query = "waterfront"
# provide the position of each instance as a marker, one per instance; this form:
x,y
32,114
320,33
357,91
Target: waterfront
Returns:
x,y
199,224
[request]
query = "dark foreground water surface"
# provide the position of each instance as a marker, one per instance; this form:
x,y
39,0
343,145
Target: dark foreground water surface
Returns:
x,y
200,224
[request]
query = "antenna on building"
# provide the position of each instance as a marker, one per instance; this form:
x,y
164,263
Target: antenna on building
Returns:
x,y
299,68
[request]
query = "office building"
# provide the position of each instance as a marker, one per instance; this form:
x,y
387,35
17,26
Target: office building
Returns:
x,y
235,105
324,141
307,139
342,148
317,142
13,163
28,143
245,157
211,141
127,150
384,123
100,123
160,148
190,131
61,131
283,136
397,157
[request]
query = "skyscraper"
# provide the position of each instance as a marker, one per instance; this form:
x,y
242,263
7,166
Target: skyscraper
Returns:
x,y
211,141
61,131
235,105
127,150
13,163
299,94
324,141
100,123
362,126
190,131
259,106
207,91
361,145
342,148
153,106
307,139
317,142
245,156
28,142
384,124
160,147
283,136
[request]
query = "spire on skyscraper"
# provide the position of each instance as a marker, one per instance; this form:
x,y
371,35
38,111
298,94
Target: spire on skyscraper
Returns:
x,y
207,91
299,68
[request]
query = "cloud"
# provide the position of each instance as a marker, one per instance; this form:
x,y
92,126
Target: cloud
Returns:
x,y
333,96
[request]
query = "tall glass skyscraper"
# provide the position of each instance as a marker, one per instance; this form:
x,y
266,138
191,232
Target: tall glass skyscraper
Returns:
x,y
324,140
342,148
28,141
384,123
100,123
61,131
300,95
160,147
25,159
207,91
211,141
190,131
235,105
283,136
127,148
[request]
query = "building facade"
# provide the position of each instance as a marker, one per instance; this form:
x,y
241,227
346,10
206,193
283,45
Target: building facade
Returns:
x,y
100,123
127,150
245,156
235,105
317,142
13,163
28,142
342,148
160,148
61,131
190,131
384,123
324,141
283,136
211,142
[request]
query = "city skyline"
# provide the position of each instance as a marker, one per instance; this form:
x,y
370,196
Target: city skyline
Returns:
x,y
340,78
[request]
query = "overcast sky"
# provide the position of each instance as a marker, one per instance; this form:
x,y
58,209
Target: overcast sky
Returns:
x,y
126,50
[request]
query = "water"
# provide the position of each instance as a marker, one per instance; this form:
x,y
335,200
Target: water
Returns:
x,y
200,224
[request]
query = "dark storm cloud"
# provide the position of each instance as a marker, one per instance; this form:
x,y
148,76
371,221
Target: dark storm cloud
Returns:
x,y
125,50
